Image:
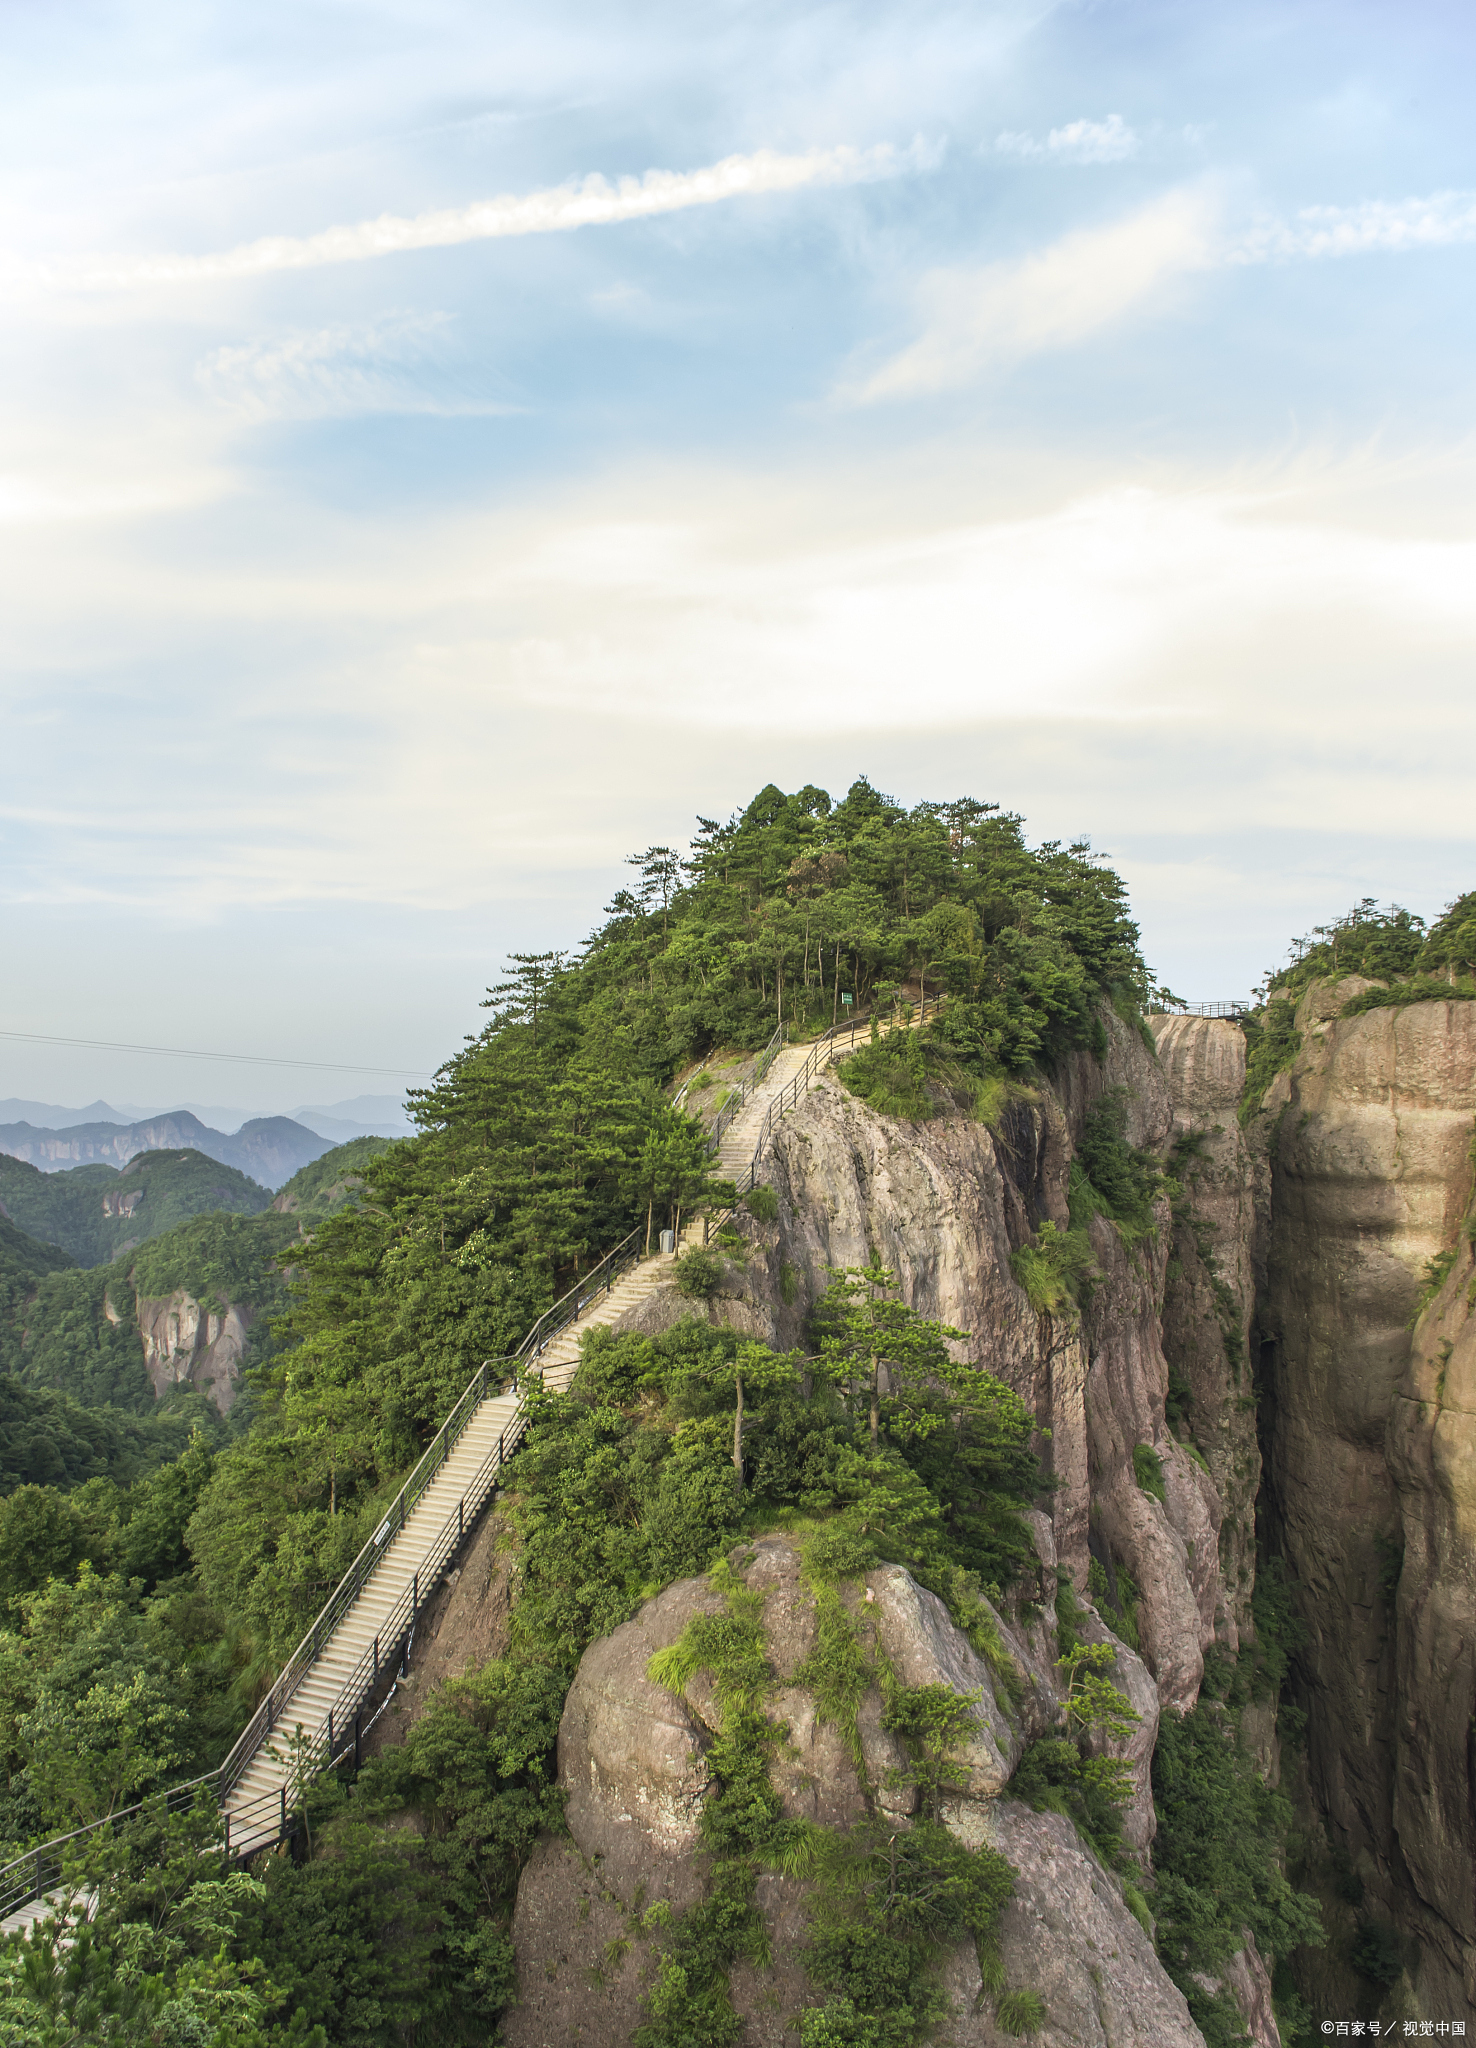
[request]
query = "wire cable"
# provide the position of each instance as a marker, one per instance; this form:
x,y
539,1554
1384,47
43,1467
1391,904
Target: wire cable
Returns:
x,y
243,1059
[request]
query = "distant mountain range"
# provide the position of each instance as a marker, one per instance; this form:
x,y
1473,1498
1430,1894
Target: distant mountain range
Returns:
x,y
268,1148
362,1116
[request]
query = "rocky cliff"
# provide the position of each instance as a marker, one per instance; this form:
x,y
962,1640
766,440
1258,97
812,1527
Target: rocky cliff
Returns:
x,y
186,1343
944,1204
634,1761
1372,1484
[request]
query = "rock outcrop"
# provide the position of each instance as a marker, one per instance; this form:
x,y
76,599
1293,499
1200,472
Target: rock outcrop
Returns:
x,y
187,1343
633,1761
944,1204
1371,1456
1067,1933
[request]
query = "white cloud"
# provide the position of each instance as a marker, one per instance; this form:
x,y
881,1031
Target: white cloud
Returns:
x,y
593,201
1148,608
979,319
1396,225
390,365
1078,142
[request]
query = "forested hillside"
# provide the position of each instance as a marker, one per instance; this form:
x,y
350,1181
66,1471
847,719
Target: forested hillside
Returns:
x,y
98,1212
80,1401
550,1134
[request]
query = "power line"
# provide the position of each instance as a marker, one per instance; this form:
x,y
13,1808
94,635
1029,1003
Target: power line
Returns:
x,y
243,1059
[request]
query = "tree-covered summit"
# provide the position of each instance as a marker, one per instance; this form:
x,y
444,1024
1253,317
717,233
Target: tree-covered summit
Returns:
x,y
798,901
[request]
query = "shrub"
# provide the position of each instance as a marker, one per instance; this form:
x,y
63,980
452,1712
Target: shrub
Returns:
x,y
1272,1045
699,1274
1376,1953
1422,988
1122,1183
762,1205
891,1077
1051,1269
1148,1471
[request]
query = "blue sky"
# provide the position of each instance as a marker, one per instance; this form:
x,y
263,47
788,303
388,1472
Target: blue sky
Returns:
x,y
447,447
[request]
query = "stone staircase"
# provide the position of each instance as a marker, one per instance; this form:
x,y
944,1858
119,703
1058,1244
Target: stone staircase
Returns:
x,y
370,1635
736,1147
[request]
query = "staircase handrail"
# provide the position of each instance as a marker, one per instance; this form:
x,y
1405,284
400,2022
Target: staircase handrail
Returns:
x,y
826,1048
44,1866
335,1732
569,1307
737,1097
487,1377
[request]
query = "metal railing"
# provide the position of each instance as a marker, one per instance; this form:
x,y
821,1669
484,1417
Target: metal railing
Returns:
x,y
487,1379
738,1097
834,1044
1234,1006
750,1072
260,1822
571,1306
43,1869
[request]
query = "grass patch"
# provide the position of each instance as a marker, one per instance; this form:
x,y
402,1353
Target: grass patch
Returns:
x,y
1052,1269
1420,988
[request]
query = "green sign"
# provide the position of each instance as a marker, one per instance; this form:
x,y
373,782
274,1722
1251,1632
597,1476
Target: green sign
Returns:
x,y
848,999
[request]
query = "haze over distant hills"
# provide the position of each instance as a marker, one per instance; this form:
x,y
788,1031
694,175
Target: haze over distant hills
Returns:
x,y
270,1149
362,1116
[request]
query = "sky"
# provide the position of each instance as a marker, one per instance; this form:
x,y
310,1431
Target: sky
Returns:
x,y
445,448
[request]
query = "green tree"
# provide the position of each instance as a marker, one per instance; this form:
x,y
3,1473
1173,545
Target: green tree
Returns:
x,y
868,1332
753,1369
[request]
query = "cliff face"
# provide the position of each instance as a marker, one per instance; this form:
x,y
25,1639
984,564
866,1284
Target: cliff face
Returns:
x,y
944,1204
1215,1269
1371,1452
1269,1314
185,1342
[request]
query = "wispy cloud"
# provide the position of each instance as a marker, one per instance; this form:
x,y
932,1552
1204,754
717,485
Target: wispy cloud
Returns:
x,y
392,365
977,319
1078,142
1376,224
983,318
594,201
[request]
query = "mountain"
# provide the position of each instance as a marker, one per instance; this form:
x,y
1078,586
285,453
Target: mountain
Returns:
x,y
14,1109
178,1273
330,1182
164,1330
97,1212
363,1116
269,1148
